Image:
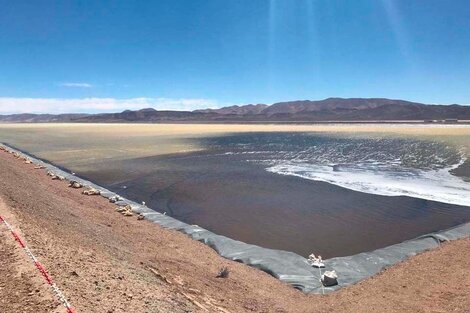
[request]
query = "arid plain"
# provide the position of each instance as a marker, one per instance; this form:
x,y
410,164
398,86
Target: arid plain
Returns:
x,y
68,142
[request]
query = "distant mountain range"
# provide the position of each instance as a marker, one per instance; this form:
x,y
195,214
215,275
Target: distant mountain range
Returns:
x,y
249,109
331,109
40,118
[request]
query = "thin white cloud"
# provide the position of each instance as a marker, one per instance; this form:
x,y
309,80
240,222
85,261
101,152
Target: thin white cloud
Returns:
x,y
98,105
398,26
76,85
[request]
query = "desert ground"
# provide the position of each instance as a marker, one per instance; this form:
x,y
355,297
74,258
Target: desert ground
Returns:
x,y
64,143
105,262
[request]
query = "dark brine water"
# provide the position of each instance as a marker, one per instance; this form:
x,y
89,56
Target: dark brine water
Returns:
x,y
298,192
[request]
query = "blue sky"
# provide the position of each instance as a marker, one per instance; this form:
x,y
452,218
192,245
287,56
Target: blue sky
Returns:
x,y
75,56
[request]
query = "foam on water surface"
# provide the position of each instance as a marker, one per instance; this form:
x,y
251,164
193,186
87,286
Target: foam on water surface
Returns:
x,y
374,165
436,185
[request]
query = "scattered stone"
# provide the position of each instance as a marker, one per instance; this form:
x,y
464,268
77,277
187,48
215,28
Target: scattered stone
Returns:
x,y
127,213
75,184
223,273
114,199
316,261
125,210
329,278
91,192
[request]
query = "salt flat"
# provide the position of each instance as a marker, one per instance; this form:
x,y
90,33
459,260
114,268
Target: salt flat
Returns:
x,y
70,142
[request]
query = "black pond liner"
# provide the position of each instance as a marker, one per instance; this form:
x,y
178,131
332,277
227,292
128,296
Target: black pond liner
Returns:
x,y
288,267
